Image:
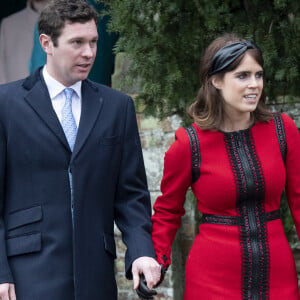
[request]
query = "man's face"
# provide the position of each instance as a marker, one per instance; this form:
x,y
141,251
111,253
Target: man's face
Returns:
x,y
73,57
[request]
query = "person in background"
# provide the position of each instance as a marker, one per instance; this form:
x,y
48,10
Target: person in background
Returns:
x,y
8,7
238,158
71,165
16,36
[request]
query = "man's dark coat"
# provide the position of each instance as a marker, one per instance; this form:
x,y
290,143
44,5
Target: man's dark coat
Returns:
x,y
52,248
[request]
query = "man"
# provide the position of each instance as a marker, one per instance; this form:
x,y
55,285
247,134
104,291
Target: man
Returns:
x,y
61,189
104,63
16,41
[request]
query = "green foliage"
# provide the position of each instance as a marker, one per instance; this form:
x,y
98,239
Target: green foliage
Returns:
x,y
164,41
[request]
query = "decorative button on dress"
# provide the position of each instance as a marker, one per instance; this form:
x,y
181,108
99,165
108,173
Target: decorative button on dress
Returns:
x,y
241,251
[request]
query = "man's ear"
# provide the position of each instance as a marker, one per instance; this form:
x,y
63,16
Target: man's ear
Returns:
x,y
217,82
46,43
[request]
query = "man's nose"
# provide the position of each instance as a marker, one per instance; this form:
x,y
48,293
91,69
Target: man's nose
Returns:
x,y
88,51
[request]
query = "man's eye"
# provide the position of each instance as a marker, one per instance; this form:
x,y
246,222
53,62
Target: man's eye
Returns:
x,y
93,43
76,42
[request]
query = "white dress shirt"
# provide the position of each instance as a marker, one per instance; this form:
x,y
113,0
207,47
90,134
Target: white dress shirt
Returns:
x,y
56,92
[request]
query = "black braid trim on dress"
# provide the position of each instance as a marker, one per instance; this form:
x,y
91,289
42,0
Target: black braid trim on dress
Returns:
x,y
233,221
195,152
280,134
249,179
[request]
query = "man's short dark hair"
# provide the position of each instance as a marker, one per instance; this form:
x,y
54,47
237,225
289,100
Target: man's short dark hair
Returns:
x,y
57,12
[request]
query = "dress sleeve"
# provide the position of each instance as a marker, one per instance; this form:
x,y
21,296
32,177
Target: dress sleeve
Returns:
x,y
292,164
168,207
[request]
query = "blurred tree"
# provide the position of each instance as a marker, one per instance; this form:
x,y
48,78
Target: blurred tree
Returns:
x,y
164,41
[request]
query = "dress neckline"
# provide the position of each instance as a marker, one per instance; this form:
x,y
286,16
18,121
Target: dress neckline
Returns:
x,y
238,131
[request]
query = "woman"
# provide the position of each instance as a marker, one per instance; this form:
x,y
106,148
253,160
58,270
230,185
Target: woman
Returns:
x,y
247,158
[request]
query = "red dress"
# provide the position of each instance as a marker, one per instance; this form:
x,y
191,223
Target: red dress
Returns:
x,y
242,177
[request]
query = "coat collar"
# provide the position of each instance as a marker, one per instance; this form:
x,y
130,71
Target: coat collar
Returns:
x,y
38,98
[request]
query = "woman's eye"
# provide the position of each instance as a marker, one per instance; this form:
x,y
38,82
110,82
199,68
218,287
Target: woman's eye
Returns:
x,y
242,76
259,75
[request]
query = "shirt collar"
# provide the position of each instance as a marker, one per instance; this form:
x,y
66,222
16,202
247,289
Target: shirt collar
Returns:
x,y
55,87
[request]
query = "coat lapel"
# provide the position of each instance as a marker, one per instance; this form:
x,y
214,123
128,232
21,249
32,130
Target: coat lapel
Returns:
x,y
90,109
38,98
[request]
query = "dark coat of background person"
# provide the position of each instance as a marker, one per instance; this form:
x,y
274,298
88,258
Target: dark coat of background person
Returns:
x,y
43,249
9,7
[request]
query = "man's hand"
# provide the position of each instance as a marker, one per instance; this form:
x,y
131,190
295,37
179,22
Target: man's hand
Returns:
x,y
7,291
147,266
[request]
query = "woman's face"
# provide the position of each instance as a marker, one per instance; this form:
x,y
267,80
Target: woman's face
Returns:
x,y
241,88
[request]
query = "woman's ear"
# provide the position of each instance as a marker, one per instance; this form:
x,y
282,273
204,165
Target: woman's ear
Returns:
x,y
217,82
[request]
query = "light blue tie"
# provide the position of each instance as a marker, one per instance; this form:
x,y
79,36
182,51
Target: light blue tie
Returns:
x,y
69,126
67,120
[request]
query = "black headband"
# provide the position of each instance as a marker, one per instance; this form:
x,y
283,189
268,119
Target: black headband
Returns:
x,y
228,54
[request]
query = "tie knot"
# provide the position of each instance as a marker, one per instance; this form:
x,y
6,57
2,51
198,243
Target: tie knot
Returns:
x,y
68,93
